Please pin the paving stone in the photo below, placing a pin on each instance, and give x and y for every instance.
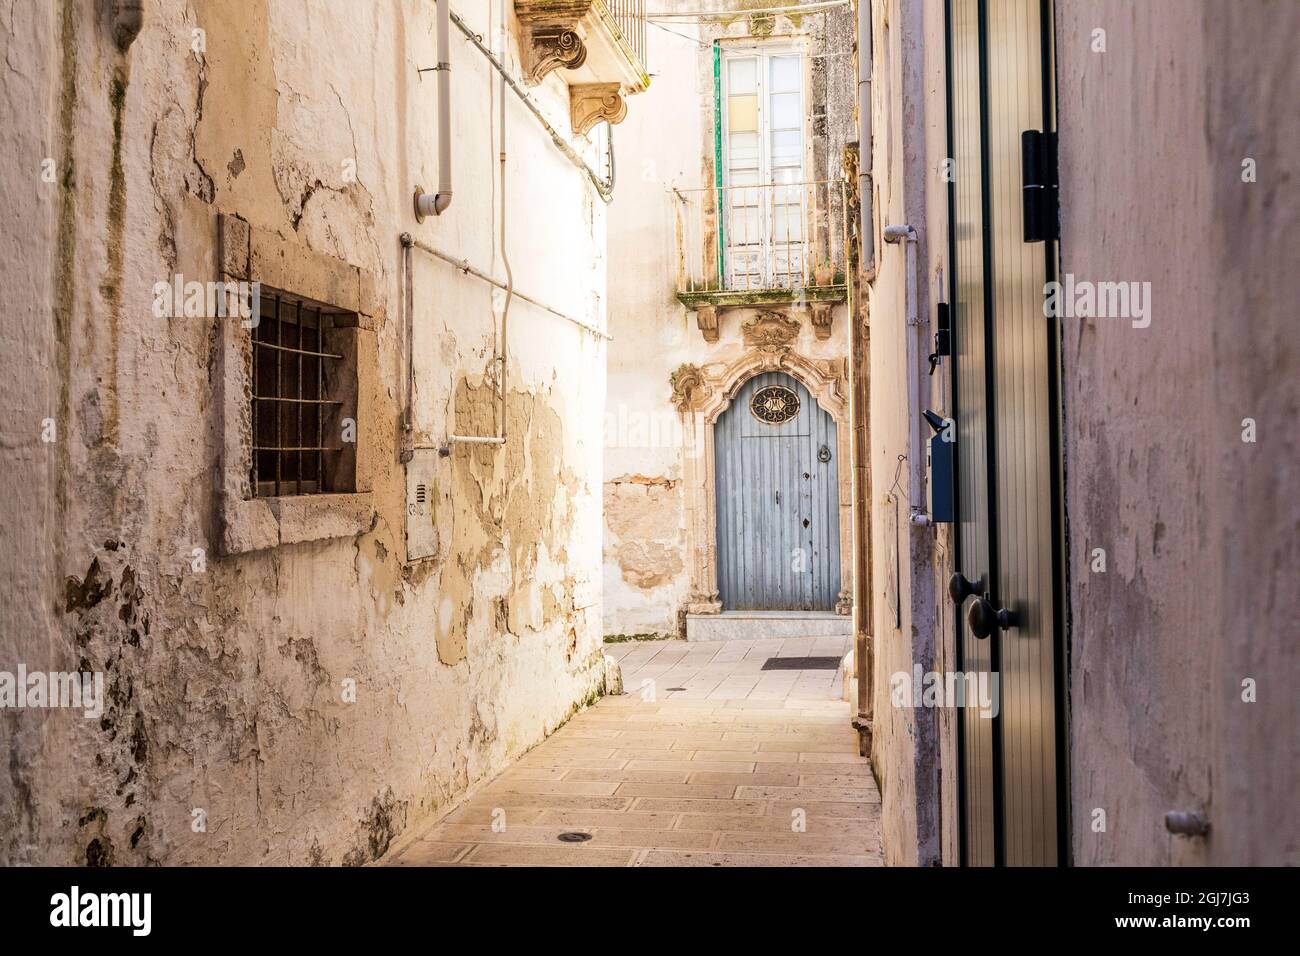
(715, 775)
(693, 766)
(751, 823)
(567, 854)
(747, 779)
(689, 790)
(812, 794)
(859, 811)
(516, 798)
(510, 782)
(706, 858)
(679, 805)
(463, 835)
(627, 819)
(789, 841)
(481, 814)
(820, 745)
(424, 853)
(630, 776)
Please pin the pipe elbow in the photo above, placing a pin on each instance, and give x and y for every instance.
(430, 204)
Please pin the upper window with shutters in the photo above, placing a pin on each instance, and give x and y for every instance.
(768, 202)
(763, 99)
(762, 227)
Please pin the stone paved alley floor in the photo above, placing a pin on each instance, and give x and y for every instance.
(728, 765)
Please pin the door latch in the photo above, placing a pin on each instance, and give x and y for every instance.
(942, 335)
(1040, 186)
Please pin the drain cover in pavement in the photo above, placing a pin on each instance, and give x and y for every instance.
(801, 664)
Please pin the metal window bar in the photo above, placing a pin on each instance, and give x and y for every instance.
(291, 399)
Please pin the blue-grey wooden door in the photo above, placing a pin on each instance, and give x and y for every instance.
(777, 490)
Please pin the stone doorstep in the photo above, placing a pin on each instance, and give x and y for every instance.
(766, 625)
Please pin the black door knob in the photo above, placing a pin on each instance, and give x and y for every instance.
(983, 618)
(980, 618)
(959, 588)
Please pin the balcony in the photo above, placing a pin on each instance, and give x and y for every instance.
(597, 45)
(774, 243)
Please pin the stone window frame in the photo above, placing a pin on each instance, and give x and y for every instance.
(246, 253)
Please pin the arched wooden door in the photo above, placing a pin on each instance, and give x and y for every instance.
(777, 495)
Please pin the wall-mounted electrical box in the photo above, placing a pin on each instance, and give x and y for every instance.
(421, 531)
(941, 467)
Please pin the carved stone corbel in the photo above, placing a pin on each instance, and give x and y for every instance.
(821, 319)
(548, 49)
(592, 103)
(706, 317)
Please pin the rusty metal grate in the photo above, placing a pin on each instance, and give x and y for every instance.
(801, 664)
(290, 398)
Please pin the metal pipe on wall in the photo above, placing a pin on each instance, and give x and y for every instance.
(864, 600)
(503, 350)
(435, 205)
(907, 236)
(604, 187)
(867, 232)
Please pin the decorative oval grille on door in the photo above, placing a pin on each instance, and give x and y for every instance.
(774, 405)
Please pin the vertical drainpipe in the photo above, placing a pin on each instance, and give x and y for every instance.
(435, 205)
(717, 161)
(864, 650)
(867, 231)
(503, 350)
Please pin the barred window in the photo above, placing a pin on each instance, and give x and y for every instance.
(304, 398)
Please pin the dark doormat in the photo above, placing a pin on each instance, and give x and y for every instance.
(801, 663)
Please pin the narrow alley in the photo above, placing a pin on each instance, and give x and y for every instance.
(736, 435)
(716, 756)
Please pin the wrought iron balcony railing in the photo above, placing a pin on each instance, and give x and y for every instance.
(629, 21)
(761, 242)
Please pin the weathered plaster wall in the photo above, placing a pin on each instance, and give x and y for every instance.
(647, 567)
(644, 534)
(224, 680)
(911, 616)
(1199, 528)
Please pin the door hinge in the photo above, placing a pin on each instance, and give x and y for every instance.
(1040, 186)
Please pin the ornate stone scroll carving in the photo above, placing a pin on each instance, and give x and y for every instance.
(548, 49)
(770, 332)
(592, 103)
(689, 387)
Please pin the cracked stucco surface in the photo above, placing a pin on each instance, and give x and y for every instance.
(224, 683)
